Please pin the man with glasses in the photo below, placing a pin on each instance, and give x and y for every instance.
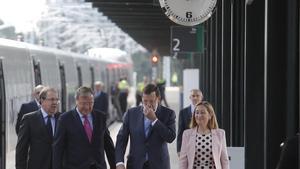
(34, 146)
(82, 136)
(30, 106)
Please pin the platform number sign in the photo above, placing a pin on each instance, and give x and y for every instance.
(186, 39)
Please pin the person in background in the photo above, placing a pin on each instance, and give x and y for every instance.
(30, 106)
(204, 145)
(150, 127)
(101, 98)
(123, 87)
(161, 84)
(114, 92)
(139, 91)
(185, 115)
(34, 146)
(82, 136)
(289, 158)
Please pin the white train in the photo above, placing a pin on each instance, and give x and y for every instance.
(23, 66)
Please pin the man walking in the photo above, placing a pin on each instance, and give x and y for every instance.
(34, 146)
(150, 127)
(82, 136)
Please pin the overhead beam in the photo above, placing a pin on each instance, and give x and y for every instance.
(127, 9)
(136, 3)
(140, 18)
(145, 14)
(121, 1)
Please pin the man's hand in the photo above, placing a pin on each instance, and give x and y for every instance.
(149, 112)
(121, 166)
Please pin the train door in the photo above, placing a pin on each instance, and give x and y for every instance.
(37, 72)
(92, 77)
(63, 87)
(79, 74)
(103, 79)
(2, 117)
(106, 74)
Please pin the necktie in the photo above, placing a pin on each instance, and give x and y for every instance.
(87, 128)
(49, 126)
(147, 126)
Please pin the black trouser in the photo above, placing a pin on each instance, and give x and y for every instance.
(146, 165)
(123, 101)
(138, 98)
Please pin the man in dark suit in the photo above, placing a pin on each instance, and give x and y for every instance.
(150, 127)
(30, 106)
(289, 158)
(34, 146)
(185, 115)
(101, 98)
(82, 136)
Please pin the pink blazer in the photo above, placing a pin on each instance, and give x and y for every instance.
(219, 150)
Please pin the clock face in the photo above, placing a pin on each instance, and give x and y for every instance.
(188, 12)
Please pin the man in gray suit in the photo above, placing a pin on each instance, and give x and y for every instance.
(150, 127)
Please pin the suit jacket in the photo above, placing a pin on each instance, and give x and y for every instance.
(25, 108)
(155, 144)
(101, 102)
(72, 149)
(34, 148)
(289, 158)
(219, 150)
(185, 116)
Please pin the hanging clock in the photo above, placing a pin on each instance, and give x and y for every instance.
(188, 12)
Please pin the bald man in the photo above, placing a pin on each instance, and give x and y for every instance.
(29, 106)
(185, 115)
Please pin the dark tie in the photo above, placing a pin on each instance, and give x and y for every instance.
(87, 127)
(49, 126)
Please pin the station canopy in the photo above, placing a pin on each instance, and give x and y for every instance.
(143, 20)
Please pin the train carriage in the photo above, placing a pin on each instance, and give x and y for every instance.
(23, 66)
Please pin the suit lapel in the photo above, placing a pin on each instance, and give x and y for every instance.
(215, 143)
(192, 141)
(96, 126)
(41, 122)
(189, 114)
(56, 116)
(140, 118)
(78, 123)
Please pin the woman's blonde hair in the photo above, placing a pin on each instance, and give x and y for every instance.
(212, 123)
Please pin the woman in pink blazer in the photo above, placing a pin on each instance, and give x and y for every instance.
(204, 145)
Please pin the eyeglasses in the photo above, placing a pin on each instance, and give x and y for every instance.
(53, 99)
(86, 103)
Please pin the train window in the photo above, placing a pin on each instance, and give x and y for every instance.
(37, 72)
(92, 77)
(63, 87)
(79, 74)
(2, 118)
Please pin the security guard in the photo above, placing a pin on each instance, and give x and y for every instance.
(123, 87)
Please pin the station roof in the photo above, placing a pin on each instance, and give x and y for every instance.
(143, 20)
